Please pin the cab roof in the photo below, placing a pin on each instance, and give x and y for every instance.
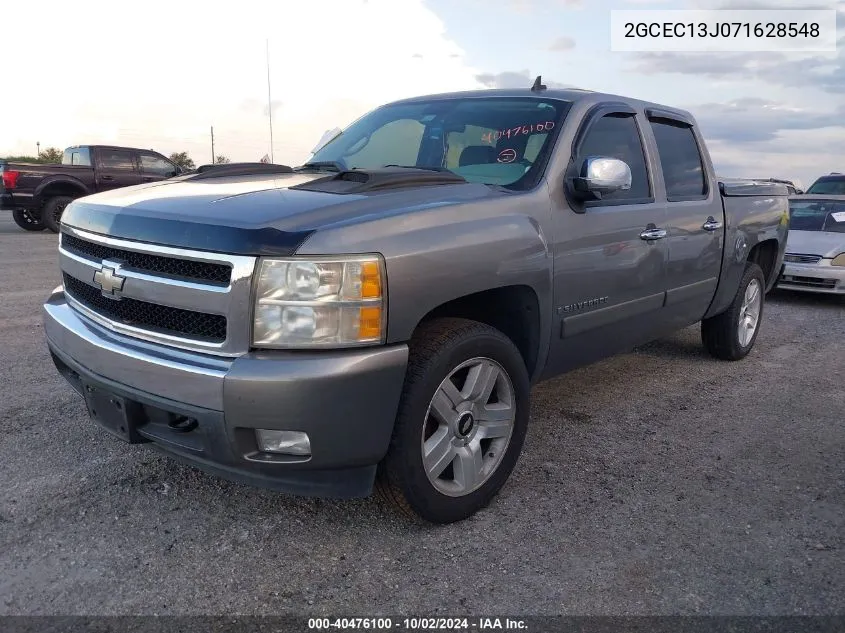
(571, 95)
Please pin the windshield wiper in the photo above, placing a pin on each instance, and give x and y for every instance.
(326, 165)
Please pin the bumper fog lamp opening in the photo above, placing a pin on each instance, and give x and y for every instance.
(283, 442)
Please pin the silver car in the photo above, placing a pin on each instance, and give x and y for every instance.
(815, 249)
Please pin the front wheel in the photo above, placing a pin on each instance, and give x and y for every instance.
(51, 213)
(731, 334)
(27, 220)
(461, 423)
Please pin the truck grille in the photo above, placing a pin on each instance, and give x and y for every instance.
(136, 313)
(184, 268)
(801, 259)
(178, 297)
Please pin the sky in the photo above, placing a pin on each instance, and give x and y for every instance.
(161, 74)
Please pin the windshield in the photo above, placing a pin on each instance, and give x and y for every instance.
(822, 215)
(492, 140)
(828, 185)
(77, 156)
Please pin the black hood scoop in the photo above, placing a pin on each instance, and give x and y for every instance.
(358, 181)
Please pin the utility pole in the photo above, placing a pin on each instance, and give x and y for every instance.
(38, 145)
(269, 101)
(212, 145)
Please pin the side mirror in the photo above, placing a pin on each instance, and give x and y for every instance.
(601, 176)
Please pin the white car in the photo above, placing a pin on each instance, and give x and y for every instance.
(815, 249)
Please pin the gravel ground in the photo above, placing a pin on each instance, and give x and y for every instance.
(658, 482)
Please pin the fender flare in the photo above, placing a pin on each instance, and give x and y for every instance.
(38, 194)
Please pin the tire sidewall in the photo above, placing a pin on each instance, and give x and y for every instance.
(409, 460)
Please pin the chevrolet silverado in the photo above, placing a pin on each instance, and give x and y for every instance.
(374, 319)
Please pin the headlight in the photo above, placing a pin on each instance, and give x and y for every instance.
(839, 260)
(319, 302)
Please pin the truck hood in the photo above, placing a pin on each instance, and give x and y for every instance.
(248, 215)
(824, 243)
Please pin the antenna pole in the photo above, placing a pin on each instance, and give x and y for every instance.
(212, 145)
(269, 102)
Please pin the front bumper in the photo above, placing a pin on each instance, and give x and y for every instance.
(821, 277)
(346, 401)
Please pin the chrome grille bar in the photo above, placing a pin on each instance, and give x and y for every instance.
(203, 297)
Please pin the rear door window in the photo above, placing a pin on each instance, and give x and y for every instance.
(680, 160)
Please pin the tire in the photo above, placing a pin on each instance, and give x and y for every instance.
(28, 220)
(721, 334)
(51, 213)
(445, 354)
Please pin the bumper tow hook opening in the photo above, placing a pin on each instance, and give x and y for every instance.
(183, 424)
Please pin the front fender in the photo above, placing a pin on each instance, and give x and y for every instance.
(462, 259)
(436, 257)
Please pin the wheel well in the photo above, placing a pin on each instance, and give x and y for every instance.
(764, 255)
(513, 310)
(61, 189)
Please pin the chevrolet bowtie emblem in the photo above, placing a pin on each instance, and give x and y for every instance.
(109, 281)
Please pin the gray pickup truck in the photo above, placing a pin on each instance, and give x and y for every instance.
(376, 317)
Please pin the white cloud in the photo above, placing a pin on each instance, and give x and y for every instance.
(160, 75)
(798, 155)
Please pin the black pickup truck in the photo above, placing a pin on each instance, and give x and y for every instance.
(37, 194)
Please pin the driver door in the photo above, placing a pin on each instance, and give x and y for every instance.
(610, 255)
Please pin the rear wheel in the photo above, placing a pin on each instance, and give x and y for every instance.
(28, 220)
(461, 424)
(51, 213)
(731, 334)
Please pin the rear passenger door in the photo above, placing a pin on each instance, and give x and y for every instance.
(610, 258)
(155, 167)
(115, 168)
(695, 218)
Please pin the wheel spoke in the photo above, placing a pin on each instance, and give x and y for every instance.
(747, 327)
(491, 429)
(444, 402)
(755, 290)
(438, 451)
(497, 412)
(481, 379)
(467, 466)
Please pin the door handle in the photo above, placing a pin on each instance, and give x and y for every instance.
(107, 177)
(653, 234)
(711, 224)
